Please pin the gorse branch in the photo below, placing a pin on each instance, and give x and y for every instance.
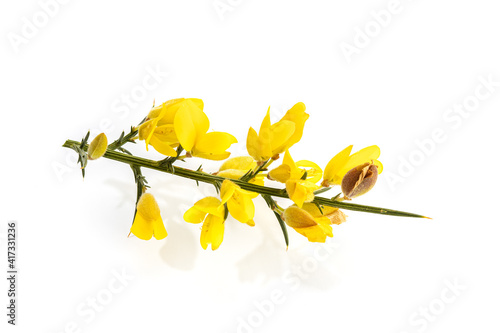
(213, 179)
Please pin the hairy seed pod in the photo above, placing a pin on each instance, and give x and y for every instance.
(359, 180)
(98, 147)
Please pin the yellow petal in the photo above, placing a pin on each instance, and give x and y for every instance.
(287, 160)
(212, 232)
(162, 147)
(227, 190)
(296, 217)
(296, 193)
(194, 215)
(280, 133)
(281, 173)
(365, 155)
(213, 144)
(314, 172)
(298, 116)
(262, 144)
(159, 230)
(173, 107)
(237, 174)
(166, 133)
(210, 205)
(287, 170)
(150, 133)
(379, 166)
(190, 123)
(199, 118)
(145, 129)
(315, 229)
(212, 156)
(148, 207)
(231, 173)
(142, 228)
(295, 172)
(185, 129)
(332, 214)
(300, 191)
(241, 207)
(317, 233)
(258, 180)
(333, 167)
(266, 122)
(313, 209)
(243, 163)
(160, 110)
(255, 147)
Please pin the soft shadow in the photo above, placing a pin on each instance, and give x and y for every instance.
(318, 266)
(180, 251)
(175, 197)
(126, 192)
(264, 264)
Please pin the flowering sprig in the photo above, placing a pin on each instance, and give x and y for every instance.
(181, 127)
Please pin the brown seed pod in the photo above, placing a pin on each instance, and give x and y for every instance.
(359, 180)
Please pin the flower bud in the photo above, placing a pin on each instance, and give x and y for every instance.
(296, 217)
(359, 180)
(98, 147)
(239, 163)
(334, 215)
(308, 222)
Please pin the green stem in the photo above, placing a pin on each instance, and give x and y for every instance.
(277, 213)
(123, 139)
(212, 179)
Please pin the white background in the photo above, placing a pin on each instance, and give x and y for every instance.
(381, 274)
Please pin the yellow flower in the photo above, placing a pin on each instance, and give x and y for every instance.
(298, 116)
(310, 222)
(158, 130)
(275, 139)
(239, 202)
(98, 147)
(211, 212)
(237, 167)
(334, 215)
(170, 108)
(287, 170)
(182, 121)
(191, 125)
(295, 170)
(299, 190)
(341, 163)
(147, 221)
